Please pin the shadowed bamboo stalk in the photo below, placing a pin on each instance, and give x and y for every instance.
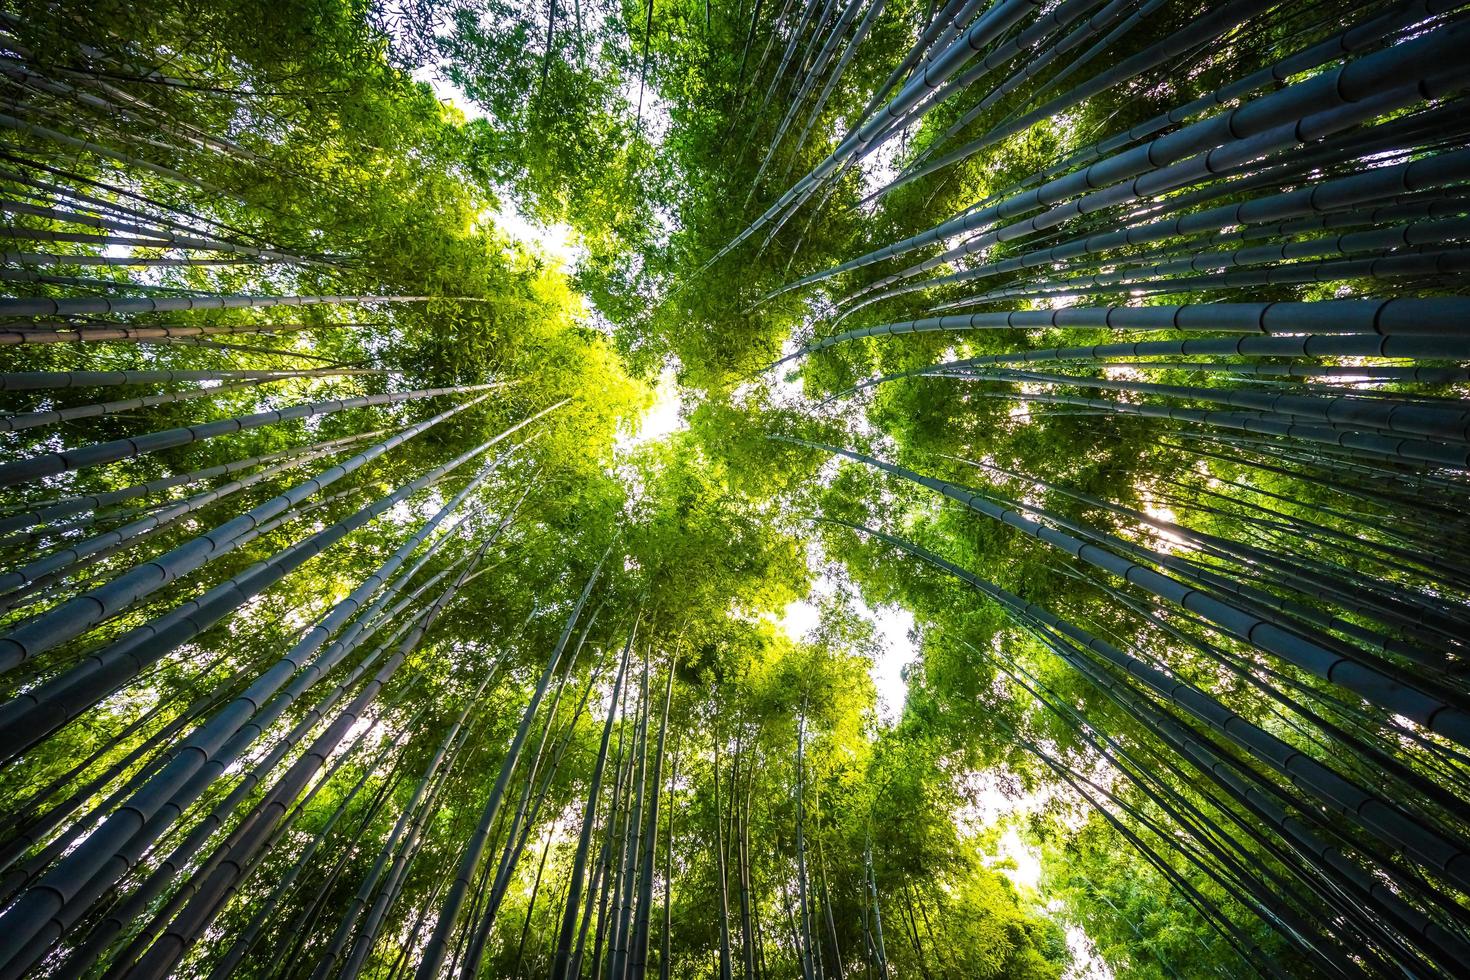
(50, 464)
(638, 960)
(1100, 21)
(1385, 414)
(46, 511)
(1322, 198)
(76, 616)
(1292, 646)
(1414, 235)
(58, 416)
(62, 560)
(47, 380)
(150, 229)
(39, 711)
(437, 948)
(1366, 444)
(368, 934)
(16, 307)
(214, 891)
(1047, 24)
(400, 829)
(1380, 816)
(864, 28)
(341, 648)
(996, 20)
(1368, 86)
(91, 332)
(1351, 41)
(1302, 345)
(136, 905)
(88, 871)
(1391, 318)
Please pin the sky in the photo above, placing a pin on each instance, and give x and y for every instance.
(661, 419)
(447, 92)
(891, 624)
(557, 242)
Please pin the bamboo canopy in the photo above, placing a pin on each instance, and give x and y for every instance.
(967, 489)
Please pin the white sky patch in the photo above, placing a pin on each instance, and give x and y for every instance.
(1117, 372)
(997, 800)
(1027, 860)
(654, 121)
(447, 92)
(991, 803)
(784, 387)
(661, 419)
(880, 168)
(556, 242)
(799, 618)
(891, 624)
(992, 797)
(1168, 541)
(1086, 963)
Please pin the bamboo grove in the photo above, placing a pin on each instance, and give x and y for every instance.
(350, 626)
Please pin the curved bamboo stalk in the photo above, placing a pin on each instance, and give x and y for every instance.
(79, 306)
(126, 912)
(1380, 319)
(1412, 235)
(56, 416)
(1293, 646)
(1369, 86)
(90, 869)
(34, 714)
(50, 464)
(437, 948)
(45, 512)
(69, 333)
(1350, 41)
(49, 380)
(76, 616)
(246, 840)
(1000, 17)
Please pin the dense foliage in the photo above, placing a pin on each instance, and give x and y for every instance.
(349, 624)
